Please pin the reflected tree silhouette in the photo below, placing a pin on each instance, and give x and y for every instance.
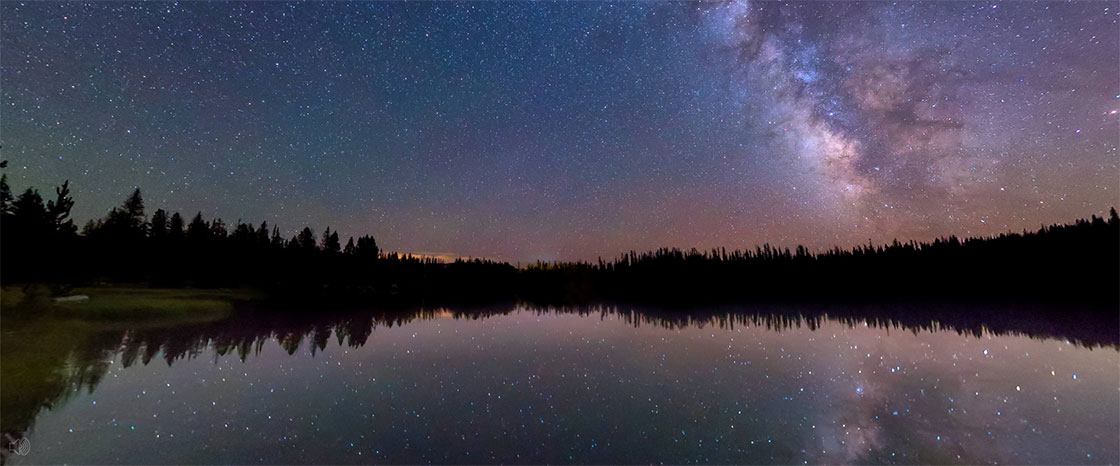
(76, 357)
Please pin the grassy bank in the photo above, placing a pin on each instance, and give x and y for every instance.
(118, 303)
(50, 348)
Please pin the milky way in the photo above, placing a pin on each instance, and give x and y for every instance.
(562, 130)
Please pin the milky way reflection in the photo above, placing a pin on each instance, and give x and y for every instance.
(534, 387)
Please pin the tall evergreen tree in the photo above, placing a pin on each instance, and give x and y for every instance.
(218, 229)
(243, 233)
(330, 241)
(367, 247)
(198, 230)
(159, 224)
(276, 241)
(29, 213)
(126, 223)
(175, 227)
(6, 198)
(134, 206)
(58, 210)
(306, 239)
(262, 235)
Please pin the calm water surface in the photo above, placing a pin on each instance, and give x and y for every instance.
(544, 387)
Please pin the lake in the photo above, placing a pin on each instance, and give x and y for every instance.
(512, 384)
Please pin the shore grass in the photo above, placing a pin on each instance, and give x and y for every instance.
(11, 297)
(45, 345)
(128, 303)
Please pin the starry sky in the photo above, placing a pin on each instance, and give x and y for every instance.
(569, 130)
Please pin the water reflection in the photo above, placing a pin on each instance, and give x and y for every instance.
(612, 384)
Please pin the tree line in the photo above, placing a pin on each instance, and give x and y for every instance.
(40, 244)
(1076, 263)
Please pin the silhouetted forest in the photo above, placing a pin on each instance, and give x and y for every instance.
(1079, 262)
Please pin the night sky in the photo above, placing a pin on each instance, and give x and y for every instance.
(569, 130)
